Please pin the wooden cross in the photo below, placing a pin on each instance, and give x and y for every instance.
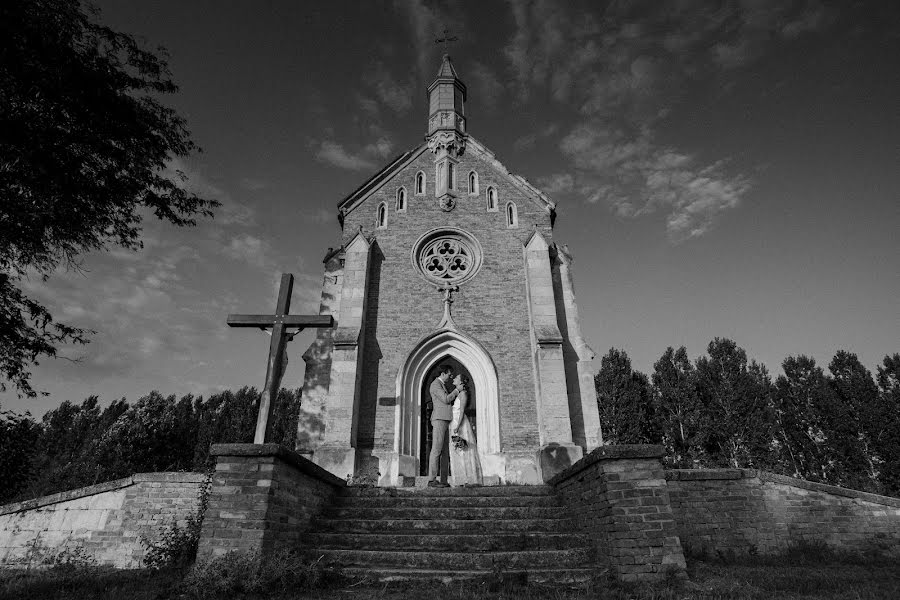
(446, 40)
(280, 323)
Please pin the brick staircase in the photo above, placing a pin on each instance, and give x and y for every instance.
(450, 534)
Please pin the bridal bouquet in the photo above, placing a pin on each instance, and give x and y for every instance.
(458, 442)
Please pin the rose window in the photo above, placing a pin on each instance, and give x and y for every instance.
(447, 257)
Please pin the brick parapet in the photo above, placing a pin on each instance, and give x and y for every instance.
(263, 497)
(741, 511)
(617, 496)
(104, 523)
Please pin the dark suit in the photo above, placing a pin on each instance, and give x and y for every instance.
(441, 415)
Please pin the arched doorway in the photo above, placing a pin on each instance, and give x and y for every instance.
(451, 346)
(425, 413)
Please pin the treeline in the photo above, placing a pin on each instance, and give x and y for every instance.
(76, 445)
(840, 427)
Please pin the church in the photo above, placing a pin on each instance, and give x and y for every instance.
(446, 257)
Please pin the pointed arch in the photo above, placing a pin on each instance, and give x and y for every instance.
(411, 377)
(512, 215)
(420, 184)
(401, 199)
(473, 183)
(491, 197)
(381, 216)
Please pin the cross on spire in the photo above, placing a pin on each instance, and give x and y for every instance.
(279, 323)
(446, 40)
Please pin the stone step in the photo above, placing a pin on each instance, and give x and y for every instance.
(446, 542)
(523, 559)
(418, 501)
(553, 575)
(456, 513)
(485, 526)
(501, 490)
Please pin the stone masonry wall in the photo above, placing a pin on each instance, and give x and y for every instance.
(739, 511)
(262, 498)
(617, 496)
(103, 523)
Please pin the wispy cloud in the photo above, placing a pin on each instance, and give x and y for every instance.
(623, 69)
(250, 249)
(365, 158)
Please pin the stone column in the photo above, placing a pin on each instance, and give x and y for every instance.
(337, 453)
(557, 450)
(311, 420)
(577, 355)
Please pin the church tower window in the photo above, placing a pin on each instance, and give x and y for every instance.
(381, 216)
(401, 200)
(512, 215)
(491, 199)
(420, 183)
(473, 183)
(445, 174)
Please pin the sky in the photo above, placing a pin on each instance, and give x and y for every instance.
(725, 169)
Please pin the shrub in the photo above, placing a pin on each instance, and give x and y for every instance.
(236, 574)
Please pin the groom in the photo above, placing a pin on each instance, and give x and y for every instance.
(441, 416)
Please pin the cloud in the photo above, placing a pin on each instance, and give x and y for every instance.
(249, 249)
(253, 185)
(365, 158)
(391, 93)
(335, 155)
(487, 84)
(635, 177)
(320, 216)
(624, 68)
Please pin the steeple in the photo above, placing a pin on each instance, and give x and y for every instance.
(446, 111)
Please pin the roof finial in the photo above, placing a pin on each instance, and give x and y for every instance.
(446, 41)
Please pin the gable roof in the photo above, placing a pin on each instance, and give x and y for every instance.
(374, 183)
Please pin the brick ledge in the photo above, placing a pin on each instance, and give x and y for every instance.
(618, 452)
(99, 488)
(299, 462)
(710, 474)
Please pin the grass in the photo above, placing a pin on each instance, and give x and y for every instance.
(802, 573)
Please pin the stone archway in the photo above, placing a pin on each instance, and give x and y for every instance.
(411, 378)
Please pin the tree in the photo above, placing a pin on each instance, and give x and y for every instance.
(18, 434)
(83, 156)
(804, 405)
(624, 401)
(887, 438)
(735, 397)
(853, 419)
(678, 409)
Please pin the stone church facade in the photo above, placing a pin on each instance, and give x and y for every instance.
(447, 257)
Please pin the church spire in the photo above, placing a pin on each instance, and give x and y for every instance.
(446, 110)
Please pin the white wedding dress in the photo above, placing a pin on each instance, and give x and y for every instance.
(465, 467)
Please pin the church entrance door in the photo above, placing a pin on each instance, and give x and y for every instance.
(412, 427)
(425, 403)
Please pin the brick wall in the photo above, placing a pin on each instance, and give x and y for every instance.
(262, 497)
(617, 496)
(738, 511)
(103, 523)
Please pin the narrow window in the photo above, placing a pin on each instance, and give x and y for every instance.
(451, 177)
(420, 183)
(473, 183)
(491, 199)
(512, 215)
(382, 216)
(401, 200)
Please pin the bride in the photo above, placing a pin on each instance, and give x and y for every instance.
(465, 467)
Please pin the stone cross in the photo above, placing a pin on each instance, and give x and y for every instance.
(446, 40)
(284, 327)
